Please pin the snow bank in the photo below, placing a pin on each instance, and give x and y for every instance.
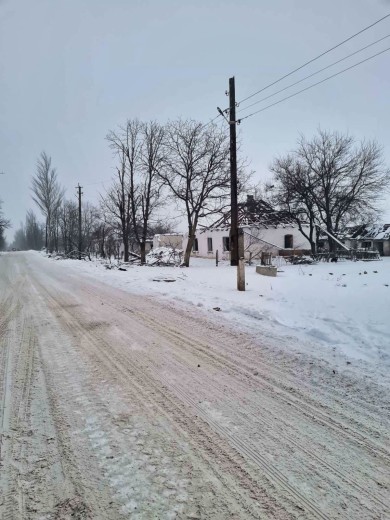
(331, 308)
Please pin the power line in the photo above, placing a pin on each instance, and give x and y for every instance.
(95, 183)
(315, 84)
(209, 122)
(316, 58)
(314, 73)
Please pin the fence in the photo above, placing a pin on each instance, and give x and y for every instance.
(343, 254)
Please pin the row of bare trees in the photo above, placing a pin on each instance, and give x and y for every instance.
(329, 181)
(62, 234)
(60, 230)
(183, 162)
(30, 235)
(183, 165)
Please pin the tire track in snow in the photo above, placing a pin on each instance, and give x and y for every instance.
(192, 346)
(246, 449)
(153, 393)
(185, 341)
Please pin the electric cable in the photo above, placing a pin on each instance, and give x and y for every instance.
(314, 84)
(314, 73)
(316, 58)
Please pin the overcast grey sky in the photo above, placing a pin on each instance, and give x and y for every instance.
(71, 70)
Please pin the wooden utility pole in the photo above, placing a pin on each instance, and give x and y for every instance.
(233, 175)
(78, 187)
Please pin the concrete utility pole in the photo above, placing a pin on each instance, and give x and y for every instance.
(234, 257)
(78, 187)
(241, 262)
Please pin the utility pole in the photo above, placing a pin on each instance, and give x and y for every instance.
(78, 187)
(233, 175)
(236, 240)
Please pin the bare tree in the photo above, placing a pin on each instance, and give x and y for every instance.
(117, 201)
(68, 225)
(331, 180)
(140, 145)
(34, 232)
(90, 222)
(4, 224)
(291, 191)
(48, 195)
(19, 241)
(196, 170)
(149, 183)
(103, 230)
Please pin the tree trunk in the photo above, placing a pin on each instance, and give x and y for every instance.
(332, 243)
(126, 250)
(102, 245)
(49, 235)
(143, 253)
(309, 236)
(125, 240)
(187, 253)
(312, 242)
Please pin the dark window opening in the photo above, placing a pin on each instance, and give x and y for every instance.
(288, 241)
(195, 247)
(226, 243)
(210, 245)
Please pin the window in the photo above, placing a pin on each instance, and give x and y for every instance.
(288, 241)
(210, 245)
(195, 247)
(366, 245)
(226, 243)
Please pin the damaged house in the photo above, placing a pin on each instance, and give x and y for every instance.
(265, 231)
(368, 237)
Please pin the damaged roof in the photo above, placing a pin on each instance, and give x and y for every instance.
(255, 213)
(368, 232)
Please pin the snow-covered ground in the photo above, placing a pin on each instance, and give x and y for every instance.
(332, 309)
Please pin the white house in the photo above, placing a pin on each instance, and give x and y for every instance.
(264, 230)
(173, 240)
(275, 239)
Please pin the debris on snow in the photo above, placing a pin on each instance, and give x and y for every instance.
(164, 256)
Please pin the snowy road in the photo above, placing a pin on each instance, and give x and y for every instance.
(119, 406)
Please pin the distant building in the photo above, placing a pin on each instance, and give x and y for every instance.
(173, 240)
(135, 247)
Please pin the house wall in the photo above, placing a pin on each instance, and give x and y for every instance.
(386, 247)
(269, 240)
(217, 236)
(273, 239)
(174, 240)
(375, 245)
